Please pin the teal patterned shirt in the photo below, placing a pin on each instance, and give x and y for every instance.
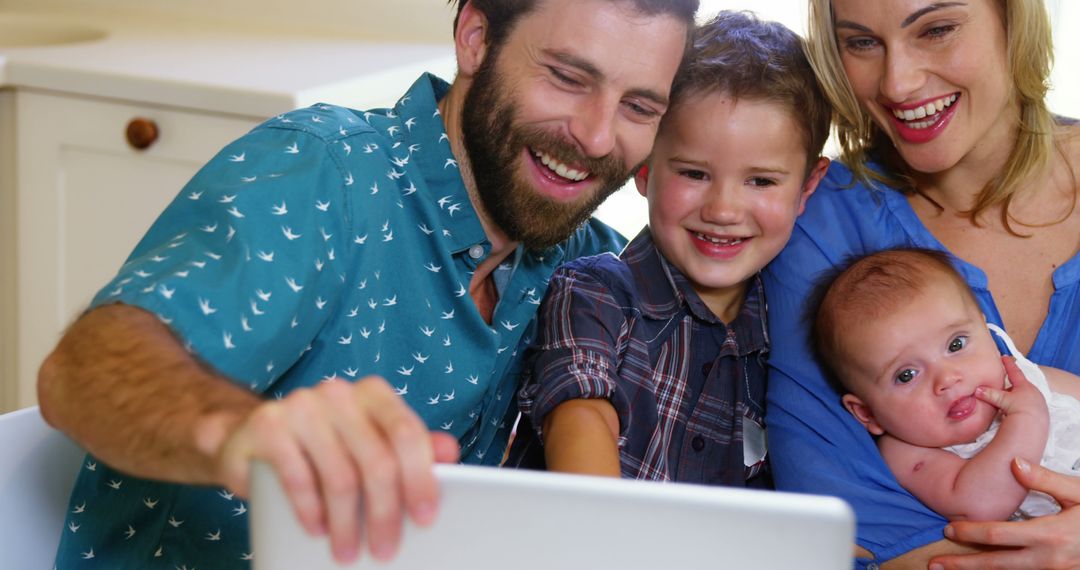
(325, 243)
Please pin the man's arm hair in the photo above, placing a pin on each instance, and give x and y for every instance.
(122, 385)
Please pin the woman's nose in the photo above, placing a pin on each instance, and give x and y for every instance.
(903, 74)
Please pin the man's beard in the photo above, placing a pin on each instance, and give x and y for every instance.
(495, 144)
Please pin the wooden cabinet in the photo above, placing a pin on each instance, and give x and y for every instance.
(83, 196)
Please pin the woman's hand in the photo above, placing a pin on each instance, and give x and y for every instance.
(1047, 542)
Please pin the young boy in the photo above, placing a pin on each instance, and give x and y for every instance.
(905, 337)
(651, 365)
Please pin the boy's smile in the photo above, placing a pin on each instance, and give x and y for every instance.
(725, 184)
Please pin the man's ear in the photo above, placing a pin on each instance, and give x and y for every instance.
(641, 180)
(470, 39)
(862, 413)
(812, 181)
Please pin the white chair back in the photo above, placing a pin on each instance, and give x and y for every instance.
(38, 466)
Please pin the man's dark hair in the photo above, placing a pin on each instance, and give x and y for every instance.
(747, 58)
(502, 15)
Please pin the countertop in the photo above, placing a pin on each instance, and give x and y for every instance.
(214, 67)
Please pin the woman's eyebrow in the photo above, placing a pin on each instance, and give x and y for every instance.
(911, 19)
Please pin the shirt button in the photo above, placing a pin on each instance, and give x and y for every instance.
(476, 251)
(871, 566)
(698, 443)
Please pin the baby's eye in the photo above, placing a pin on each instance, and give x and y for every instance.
(905, 376)
(958, 343)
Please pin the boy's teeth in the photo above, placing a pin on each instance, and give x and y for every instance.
(560, 168)
(928, 110)
(720, 241)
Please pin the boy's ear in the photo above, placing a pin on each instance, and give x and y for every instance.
(811, 182)
(862, 413)
(641, 180)
(470, 39)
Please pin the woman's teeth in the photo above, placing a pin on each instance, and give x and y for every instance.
(560, 168)
(928, 111)
(719, 241)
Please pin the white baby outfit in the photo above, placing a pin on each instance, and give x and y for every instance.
(1062, 452)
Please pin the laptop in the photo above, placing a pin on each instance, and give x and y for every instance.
(506, 519)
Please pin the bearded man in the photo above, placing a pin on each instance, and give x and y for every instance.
(346, 295)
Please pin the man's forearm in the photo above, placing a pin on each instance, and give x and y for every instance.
(121, 385)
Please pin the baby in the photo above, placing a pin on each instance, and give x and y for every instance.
(905, 337)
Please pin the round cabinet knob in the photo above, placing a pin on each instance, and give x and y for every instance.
(141, 133)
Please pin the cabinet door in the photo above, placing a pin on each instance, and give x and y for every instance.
(84, 198)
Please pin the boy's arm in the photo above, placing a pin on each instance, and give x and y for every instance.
(580, 436)
(983, 487)
(1062, 382)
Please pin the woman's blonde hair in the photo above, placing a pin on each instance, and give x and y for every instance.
(1030, 58)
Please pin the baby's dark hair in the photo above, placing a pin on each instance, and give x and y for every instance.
(866, 288)
(747, 58)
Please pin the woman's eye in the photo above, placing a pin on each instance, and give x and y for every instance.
(860, 44)
(958, 343)
(938, 32)
(905, 376)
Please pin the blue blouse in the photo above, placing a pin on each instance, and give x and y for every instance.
(816, 446)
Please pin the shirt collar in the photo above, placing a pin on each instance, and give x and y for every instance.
(664, 290)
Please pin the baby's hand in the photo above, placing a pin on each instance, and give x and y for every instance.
(1023, 397)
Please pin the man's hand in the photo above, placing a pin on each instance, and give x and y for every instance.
(339, 445)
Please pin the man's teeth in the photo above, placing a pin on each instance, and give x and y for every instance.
(560, 168)
(930, 110)
(719, 241)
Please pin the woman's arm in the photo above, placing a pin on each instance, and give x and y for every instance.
(1047, 542)
(581, 436)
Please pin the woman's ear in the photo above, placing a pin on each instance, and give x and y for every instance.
(470, 39)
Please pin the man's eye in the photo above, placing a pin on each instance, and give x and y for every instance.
(905, 376)
(563, 78)
(958, 343)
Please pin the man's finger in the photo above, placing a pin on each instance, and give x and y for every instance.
(1015, 559)
(996, 533)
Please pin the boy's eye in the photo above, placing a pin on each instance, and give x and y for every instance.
(958, 343)
(694, 174)
(905, 376)
(761, 182)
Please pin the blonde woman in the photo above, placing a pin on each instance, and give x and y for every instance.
(946, 144)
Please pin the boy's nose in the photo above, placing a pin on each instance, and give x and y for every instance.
(723, 207)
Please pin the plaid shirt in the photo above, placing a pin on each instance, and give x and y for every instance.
(685, 385)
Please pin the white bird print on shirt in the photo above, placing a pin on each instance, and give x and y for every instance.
(227, 337)
(382, 327)
(408, 191)
(448, 397)
(448, 315)
(226, 495)
(372, 303)
(289, 233)
(165, 291)
(292, 284)
(88, 555)
(150, 503)
(444, 201)
(360, 240)
(239, 510)
(263, 295)
(345, 339)
(248, 179)
(364, 332)
(354, 312)
(244, 324)
(115, 483)
(427, 331)
(316, 119)
(212, 255)
(394, 175)
(424, 228)
(195, 195)
(213, 536)
(450, 162)
(265, 256)
(247, 556)
(370, 148)
(280, 210)
(351, 372)
(449, 367)
(130, 532)
(74, 527)
(402, 390)
(79, 509)
(235, 212)
(447, 425)
(325, 236)
(204, 305)
(174, 523)
(405, 371)
(443, 137)
(143, 274)
(420, 357)
(390, 302)
(461, 291)
(473, 379)
(413, 148)
(432, 267)
(227, 199)
(446, 341)
(158, 258)
(348, 149)
(292, 149)
(255, 309)
(392, 129)
(454, 208)
(410, 122)
(320, 303)
(389, 236)
(510, 326)
(434, 400)
(349, 179)
(237, 157)
(209, 228)
(322, 206)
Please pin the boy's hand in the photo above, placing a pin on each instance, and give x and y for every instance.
(1023, 397)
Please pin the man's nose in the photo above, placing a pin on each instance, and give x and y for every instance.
(593, 127)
